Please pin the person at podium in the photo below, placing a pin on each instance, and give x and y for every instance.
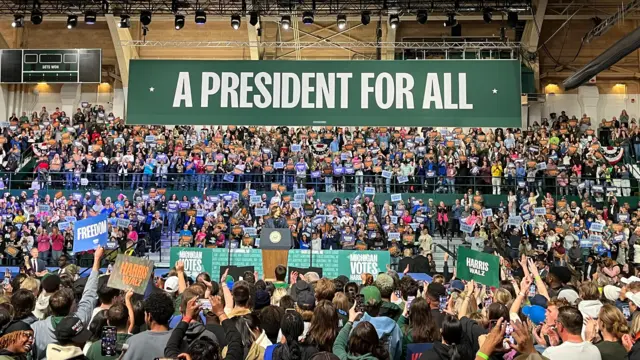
(277, 221)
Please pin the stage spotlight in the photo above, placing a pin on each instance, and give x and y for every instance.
(342, 22)
(365, 18)
(125, 22)
(72, 21)
(201, 17)
(285, 22)
(253, 18)
(486, 15)
(36, 17)
(18, 21)
(307, 17)
(451, 21)
(235, 22)
(394, 21)
(421, 16)
(90, 17)
(179, 21)
(145, 17)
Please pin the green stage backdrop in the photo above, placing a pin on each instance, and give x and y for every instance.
(210, 260)
(342, 262)
(355, 93)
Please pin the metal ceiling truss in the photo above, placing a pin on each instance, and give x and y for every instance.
(480, 45)
(264, 7)
(609, 22)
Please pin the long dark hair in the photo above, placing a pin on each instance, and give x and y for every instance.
(452, 335)
(421, 325)
(204, 349)
(324, 326)
(364, 340)
(292, 327)
(245, 325)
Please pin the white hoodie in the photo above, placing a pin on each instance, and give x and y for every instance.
(589, 309)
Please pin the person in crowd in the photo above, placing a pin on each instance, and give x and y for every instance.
(359, 342)
(569, 328)
(71, 335)
(158, 309)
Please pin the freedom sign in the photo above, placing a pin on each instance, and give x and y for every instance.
(89, 233)
(360, 93)
(481, 267)
(130, 272)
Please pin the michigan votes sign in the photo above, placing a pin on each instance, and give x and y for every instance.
(89, 233)
(355, 93)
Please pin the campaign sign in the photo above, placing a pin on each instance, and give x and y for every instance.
(130, 272)
(403, 179)
(62, 226)
(278, 165)
(396, 197)
(299, 197)
(487, 212)
(255, 200)
(466, 228)
(540, 211)
(386, 174)
(70, 219)
(394, 219)
(89, 233)
(296, 147)
(44, 208)
(262, 211)
(515, 221)
(595, 239)
(596, 227)
(394, 235)
(123, 223)
(479, 266)
(201, 213)
(369, 190)
(296, 204)
(251, 231)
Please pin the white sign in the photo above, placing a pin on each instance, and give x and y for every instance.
(396, 197)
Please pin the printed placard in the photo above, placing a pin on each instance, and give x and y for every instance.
(201, 213)
(315, 174)
(595, 239)
(394, 235)
(514, 221)
(251, 231)
(466, 228)
(44, 208)
(344, 156)
(403, 179)
(278, 165)
(253, 192)
(296, 204)
(228, 177)
(541, 166)
(64, 225)
(386, 174)
(255, 200)
(540, 211)
(596, 227)
(394, 219)
(262, 211)
(369, 190)
(481, 267)
(95, 192)
(123, 223)
(70, 219)
(130, 272)
(296, 148)
(487, 212)
(396, 197)
(414, 226)
(299, 197)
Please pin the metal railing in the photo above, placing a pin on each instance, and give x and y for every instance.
(325, 183)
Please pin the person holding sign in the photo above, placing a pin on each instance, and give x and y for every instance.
(44, 330)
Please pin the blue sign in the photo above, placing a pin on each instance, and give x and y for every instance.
(89, 233)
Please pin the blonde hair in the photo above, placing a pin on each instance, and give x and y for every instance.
(503, 296)
(613, 321)
(341, 302)
(635, 325)
(472, 306)
(278, 294)
(438, 279)
(31, 284)
(589, 291)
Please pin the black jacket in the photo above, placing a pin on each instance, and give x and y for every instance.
(234, 341)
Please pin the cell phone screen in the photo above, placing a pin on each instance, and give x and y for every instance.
(532, 290)
(409, 301)
(626, 312)
(443, 303)
(205, 304)
(508, 337)
(108, 341)
(487, 302)
(360, 303)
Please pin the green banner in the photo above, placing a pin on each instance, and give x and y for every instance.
(210, 260)
(342, 262)
(463, 93)
(479, 266)
(195, 260)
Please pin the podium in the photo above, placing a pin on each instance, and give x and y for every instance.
(275, 244)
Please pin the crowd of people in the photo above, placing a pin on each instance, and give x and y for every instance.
(538, 311)
(568, 267)
(92, 149)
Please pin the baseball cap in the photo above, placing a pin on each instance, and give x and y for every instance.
(436, 290)
(570, 295)
(539, 300)
(633, 297)
(629, 280)
(171, 285)
(562, 273)
(611, 293)
(371, 295)
(306, 300)
(262, 299)
(536, 313)
(71, 329)
(457, 285)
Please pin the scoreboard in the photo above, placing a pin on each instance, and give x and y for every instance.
(50, 66)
